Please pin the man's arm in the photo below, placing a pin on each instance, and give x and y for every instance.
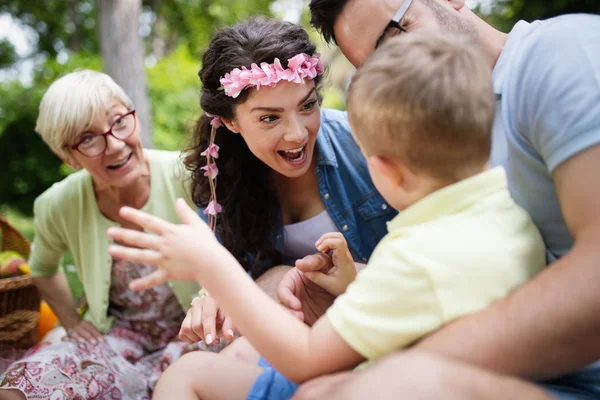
(550, 326)
(270, 280)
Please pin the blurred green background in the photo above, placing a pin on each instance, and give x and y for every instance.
(41, 40)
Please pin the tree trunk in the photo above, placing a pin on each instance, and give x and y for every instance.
(122, 52)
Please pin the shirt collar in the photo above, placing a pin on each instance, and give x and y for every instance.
(451, 199)
(515, 38)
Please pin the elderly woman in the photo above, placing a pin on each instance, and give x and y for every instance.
(125, 340)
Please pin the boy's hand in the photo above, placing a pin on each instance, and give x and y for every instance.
(178, 251)
(343, 272)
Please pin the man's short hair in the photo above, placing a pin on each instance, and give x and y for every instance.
(426, 99)
(323, 14)
(71, 103)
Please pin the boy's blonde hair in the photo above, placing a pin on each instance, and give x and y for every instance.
(71, 103)
(426, 99)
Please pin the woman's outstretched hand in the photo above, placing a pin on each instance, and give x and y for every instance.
(178, 251)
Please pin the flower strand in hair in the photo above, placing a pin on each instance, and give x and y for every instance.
(300, 67)
(212, 152)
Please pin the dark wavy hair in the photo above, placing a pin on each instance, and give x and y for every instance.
(244, 189)
(323, 14)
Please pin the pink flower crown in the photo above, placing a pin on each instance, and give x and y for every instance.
(300, 67)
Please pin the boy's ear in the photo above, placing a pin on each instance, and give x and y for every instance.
(231, 125)
(387, 169)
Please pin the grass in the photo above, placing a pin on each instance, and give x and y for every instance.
(24, 224)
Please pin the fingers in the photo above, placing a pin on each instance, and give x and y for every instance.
(187, 215)
(209, 320)
(84, 332)
(94, 332)
(285, 295)
(315, 262)
(228, 329)
(155, 278)
(331, 241)
(133, 238)
(135, 255)
(185, 333)
(328, 282)
(145, 220)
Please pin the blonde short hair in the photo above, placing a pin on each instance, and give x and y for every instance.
(426, 99)
(71, 103)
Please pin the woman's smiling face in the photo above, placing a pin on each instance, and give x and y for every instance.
(280, 125)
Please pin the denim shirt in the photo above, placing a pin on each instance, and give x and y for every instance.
(358, 210)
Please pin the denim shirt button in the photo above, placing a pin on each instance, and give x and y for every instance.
(384, 206)
(326, 196)
(364, 259)
(279, 236)
(345, 228)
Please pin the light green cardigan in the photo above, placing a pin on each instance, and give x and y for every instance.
(67, 217)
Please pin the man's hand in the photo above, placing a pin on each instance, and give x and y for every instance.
(307, 300)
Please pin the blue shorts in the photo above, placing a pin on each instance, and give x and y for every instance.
(271, 385)
(581, 385)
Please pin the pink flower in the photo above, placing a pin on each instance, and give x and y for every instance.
(215, 121)
(300, 67)
(213, 208)
(212, 150)
(211, 170)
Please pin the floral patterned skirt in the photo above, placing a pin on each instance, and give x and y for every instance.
(127, 365)
(119, 368)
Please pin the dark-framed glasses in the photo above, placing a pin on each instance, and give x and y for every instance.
(92, 145)
(393, 27)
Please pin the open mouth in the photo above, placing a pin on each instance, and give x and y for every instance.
(295, 156)
(121, 163)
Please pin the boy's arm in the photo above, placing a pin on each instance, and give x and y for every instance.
(297, 351)
(374, 317)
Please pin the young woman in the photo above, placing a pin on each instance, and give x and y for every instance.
(285, 171)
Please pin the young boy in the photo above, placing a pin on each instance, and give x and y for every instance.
(422, 112)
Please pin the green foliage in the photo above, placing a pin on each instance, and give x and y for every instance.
(8, 55)
(505, 13)
(174, 93)
(60, 24)
(197, 20)
(30, 166)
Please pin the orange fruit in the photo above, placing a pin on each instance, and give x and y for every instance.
(48, 320)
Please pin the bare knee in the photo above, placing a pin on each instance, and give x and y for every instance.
(184, 375)
(242, 350)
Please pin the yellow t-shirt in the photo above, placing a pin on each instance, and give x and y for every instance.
(67, 217)
(450, 254)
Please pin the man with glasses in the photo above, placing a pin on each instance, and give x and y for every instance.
(547, 135)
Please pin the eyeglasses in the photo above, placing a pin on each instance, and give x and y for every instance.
(92, 145)
(393, 27)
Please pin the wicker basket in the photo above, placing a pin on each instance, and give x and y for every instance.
(19, 298)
